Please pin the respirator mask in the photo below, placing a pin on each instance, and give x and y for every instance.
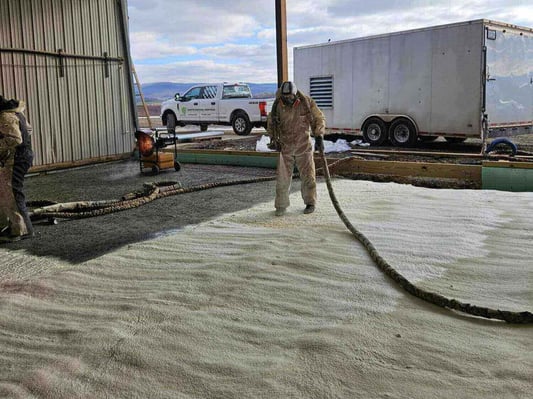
(288, 93)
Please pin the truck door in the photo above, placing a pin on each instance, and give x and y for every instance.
(189, 105)
(207, 104)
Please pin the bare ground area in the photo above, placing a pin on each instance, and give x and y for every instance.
(79, 240)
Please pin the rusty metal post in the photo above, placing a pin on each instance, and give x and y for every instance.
(281, 41)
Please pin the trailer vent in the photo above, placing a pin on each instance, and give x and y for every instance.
(321, 90)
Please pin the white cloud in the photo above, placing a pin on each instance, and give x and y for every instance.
(206, 71)
(258, 52)
(236, 39)
(151, 45)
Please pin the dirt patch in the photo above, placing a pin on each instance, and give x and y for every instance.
(83, 239)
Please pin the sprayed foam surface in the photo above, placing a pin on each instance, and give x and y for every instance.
(251, 305)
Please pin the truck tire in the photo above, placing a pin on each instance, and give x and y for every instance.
(241, 124)
(171, 122)
(203, 127)
(402, 133)
(374, 131)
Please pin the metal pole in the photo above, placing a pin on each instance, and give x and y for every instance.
(123, 15)
(281, 41)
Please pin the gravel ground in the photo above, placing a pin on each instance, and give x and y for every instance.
(83, 239)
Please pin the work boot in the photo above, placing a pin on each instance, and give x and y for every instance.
(280, 211)
(309, 209)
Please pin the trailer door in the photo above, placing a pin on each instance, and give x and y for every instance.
(509, 83)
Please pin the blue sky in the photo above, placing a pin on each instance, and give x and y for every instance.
(225, 40)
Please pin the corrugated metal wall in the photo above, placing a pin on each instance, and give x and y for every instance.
(80, 106)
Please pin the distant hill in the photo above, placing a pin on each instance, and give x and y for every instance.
(160, 91)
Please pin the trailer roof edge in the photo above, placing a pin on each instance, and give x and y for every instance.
(427, 28)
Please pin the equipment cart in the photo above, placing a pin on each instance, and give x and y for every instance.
(149, 143)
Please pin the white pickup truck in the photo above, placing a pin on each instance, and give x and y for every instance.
(221, 104)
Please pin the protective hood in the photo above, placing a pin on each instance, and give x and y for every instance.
(288, 88)
(11, 105)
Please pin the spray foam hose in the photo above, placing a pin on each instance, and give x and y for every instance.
(431, 297)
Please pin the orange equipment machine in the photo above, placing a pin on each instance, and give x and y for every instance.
(149, 143)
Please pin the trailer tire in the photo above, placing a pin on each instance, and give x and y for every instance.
(203, 127)
(177, 166)
(172, 122)
(402, 133)
(375, 131)
(241, 124)
(502, 143)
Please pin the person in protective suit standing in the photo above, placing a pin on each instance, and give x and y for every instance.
(293, 118)
(16, 157)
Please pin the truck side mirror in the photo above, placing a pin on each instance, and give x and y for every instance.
(177, 96)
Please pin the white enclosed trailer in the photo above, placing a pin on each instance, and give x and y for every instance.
(449, 80)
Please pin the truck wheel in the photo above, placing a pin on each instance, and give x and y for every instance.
(203, 127)
(171, 122)
(402, 133)
(375, 131)
(241, 124)
(455, 140)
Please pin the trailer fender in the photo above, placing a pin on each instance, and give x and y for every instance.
(388, 118)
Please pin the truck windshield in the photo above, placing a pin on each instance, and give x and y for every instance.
(236, 91)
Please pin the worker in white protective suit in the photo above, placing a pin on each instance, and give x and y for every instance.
(15, 159)
(294, 117)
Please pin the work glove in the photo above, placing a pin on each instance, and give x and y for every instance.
(319, 143)
(274, 145)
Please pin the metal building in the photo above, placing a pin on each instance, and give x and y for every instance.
(69, 60)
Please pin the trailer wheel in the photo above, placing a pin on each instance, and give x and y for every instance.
(402, 133)
(203, 127)
(177, 166)
(375, 131)
(171, 122)
(155, 170)
(241, 124)
(455, 140)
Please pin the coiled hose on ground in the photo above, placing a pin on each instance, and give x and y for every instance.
(77, 210)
